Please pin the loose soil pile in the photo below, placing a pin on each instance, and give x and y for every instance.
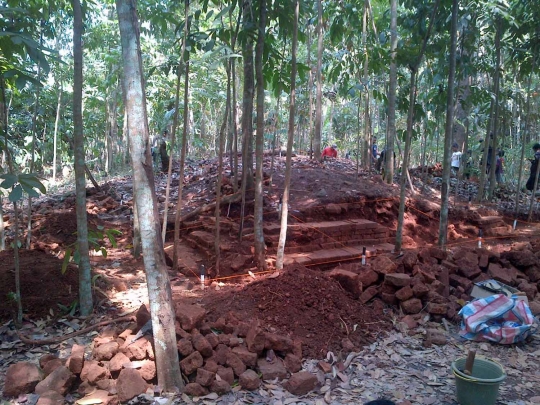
(308, 305)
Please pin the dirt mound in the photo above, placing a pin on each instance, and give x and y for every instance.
(43, 286)
(307, 305)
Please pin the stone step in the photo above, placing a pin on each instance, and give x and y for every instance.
(297, 248)
(326, 227)
(327, 256)
(202, 238)
(490, 222)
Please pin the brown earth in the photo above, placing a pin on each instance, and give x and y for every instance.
(304, 303)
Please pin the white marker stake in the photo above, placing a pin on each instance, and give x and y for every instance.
(364, 256)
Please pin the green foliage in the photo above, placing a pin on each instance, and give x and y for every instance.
(17, 184)
(96, 240)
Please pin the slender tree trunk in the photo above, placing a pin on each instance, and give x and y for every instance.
(366, 150)
(159, 288)
(276, 126)
(318, 109)
(391, 127)
(259, 142)
(496, 91)
(9, 159)
(410, 122)
(55, 136)
(443, 223)
(234, 125)
(310, 92)
(85, 271)
(217, 241)
(523, 143)
(182, 166)
(292, 103)
(247, 112)
(173, 132)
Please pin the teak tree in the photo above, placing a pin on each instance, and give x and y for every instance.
(159, 287)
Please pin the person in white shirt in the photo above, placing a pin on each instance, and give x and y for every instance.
(456, 159)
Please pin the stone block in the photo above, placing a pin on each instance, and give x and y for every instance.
(383, 265)
(279, 343)
(368, 294)
(21, 378)
(272, 370)
(234, 362)
(51, 398)
(506, 276)
(293, 363)
(420, 290)
(247, 357)
(437, 309)
(220, 387)
(60, 380)
(249, 380)
(189, 316)
(255, 338)
(404, 293)
(105, 351)
(185, 347)
(348, 280)
(202, 345)
(195, 390)
(130, 384)
(205, 377)
(148, 370)
(226, 374)
(458, 281)
(117, 362)
(397, 280)
(301, 383)
(75, 361)
(93, 372)
(411, 306)
(191, 363)
(367, 277)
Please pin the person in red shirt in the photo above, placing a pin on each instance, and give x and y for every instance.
(330, 151)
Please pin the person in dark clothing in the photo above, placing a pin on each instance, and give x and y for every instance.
(163, 152)
(534, 166)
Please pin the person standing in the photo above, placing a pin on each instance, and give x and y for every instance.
(456, 159)
(534, 166)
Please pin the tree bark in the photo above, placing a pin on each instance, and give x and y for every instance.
(159, 288)
(496, 92)
(85, 272)
(221, 140)
(292, 103)
(259, 142)
(445, 189)
(247, 111)
(410, 122)
(182, 166)
(173, 133)
(55, 136)
(391, 127)
(318, 99)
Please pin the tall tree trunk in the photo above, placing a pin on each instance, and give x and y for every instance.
(408, 139)
(285, 199)
(310, 92)
(55, 136)
(16, 264)
(496, 92)
(182, 165)
(391, 127)
(217, 240)
(259, 142)
(448, 129)
(159, 287)
(318, 109)
(247, 111)
(367, 139)
(523, 143)
(85, 272)
(33, 152)
(173, 135)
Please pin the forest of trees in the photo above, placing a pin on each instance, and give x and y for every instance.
(228, 77)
